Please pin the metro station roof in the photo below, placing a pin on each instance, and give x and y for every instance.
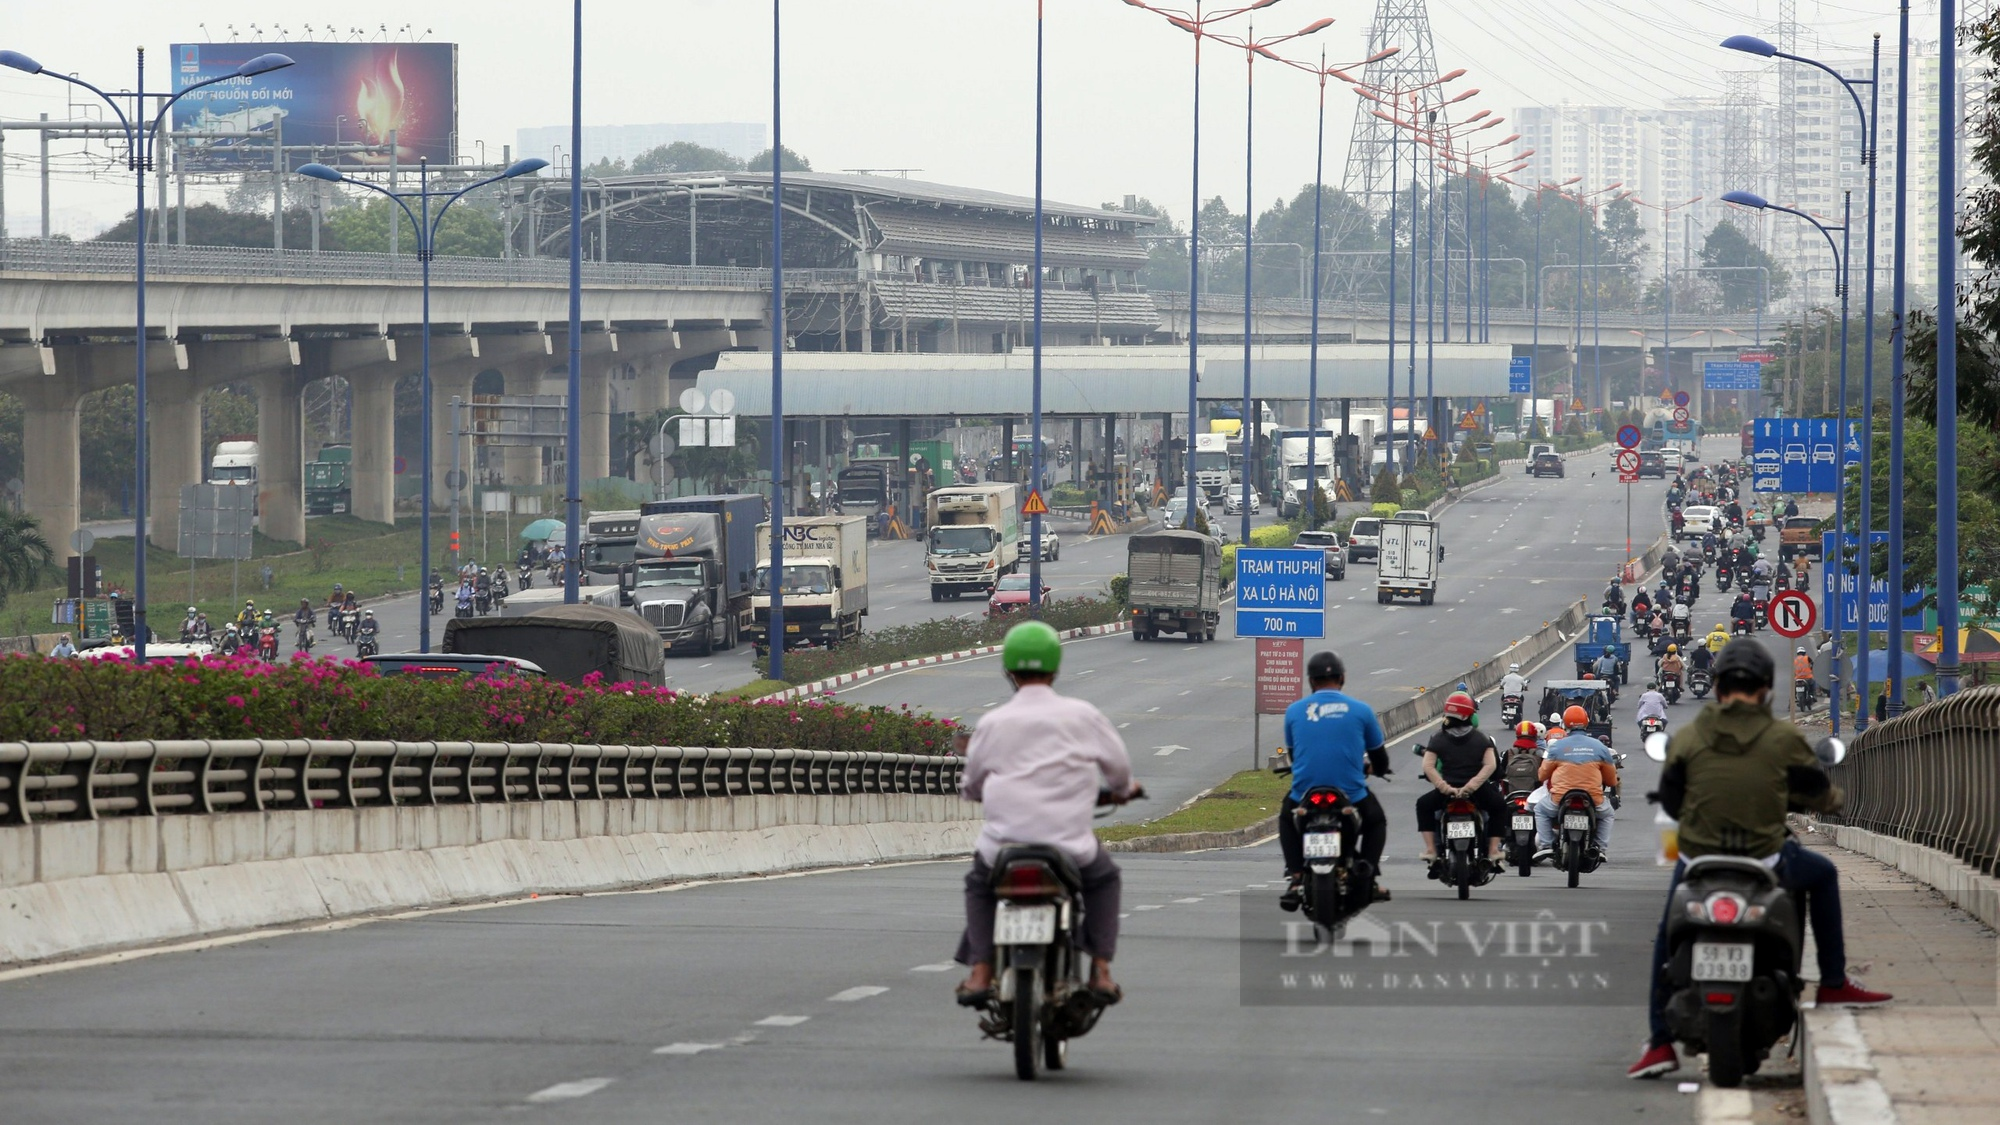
(1080, 380)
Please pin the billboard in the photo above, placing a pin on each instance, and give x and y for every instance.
(1801, 454)
(336, 93)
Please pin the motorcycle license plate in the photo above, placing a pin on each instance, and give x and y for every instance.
(1722, 960)
(1524, 824)
(1576, 820)
(1460, 830)
(1323, 845)
(1024, 925)
(791, 628)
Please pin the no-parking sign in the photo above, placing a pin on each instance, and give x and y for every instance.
(1792, 614)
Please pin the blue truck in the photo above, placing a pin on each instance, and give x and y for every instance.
(1603, 631)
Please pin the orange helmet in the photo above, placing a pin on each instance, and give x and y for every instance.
(1459, 705)
(1576, 717)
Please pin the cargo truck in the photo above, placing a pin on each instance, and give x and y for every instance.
(1211, 464)
(569, 642)
(973, 537)
(609, 539)
(234, 462)
(867, 488)
(733, 551)
(825, 581)
(1407, 565)
(330, 481)
(677, 581)
(1293, 448)
(1175, 584)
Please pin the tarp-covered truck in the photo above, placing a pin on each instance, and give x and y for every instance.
(569, 642)
(825, 581)
(1407, 566)
(1174, 584)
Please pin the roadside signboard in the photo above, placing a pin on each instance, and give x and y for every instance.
(1520, 375)
(1280, 592)
(1035, 505)
(1843, 605)
(1681, 398)
(1281, 674)
(1681, 414)
(1801, 454)
(1723, 375)
(1628, 437)
(1756, 357)
(1792, 614)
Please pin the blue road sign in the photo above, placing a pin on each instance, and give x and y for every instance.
(1724, 375)
(1280, 592)
(1765, 458)
(1520, 375)
(1846, 605)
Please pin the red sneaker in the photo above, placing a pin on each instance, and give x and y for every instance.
(1655, 1062)
(1851, 995)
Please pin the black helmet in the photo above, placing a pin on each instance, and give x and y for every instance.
(1743, 665)
(1325, 666)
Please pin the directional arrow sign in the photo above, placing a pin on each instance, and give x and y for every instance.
(1166, 751)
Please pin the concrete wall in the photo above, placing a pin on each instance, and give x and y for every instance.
(87, 886)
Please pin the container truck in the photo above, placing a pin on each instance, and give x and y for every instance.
(730, 542)
(676, 581)
(973, 537)
(1407, 565)
(1211, 464)
(825, 581)
(867, 488)
(234, 462)
(609, 539)
(1293, 447)
(330, 481)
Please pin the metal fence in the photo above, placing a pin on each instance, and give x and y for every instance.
(68, 781)
(1554, 323)
(1932, 776)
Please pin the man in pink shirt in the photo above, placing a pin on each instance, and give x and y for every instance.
(1038, 762)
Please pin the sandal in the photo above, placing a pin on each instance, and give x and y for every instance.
(974, 997)
(1106, 997)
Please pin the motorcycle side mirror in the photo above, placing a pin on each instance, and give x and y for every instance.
(1417, 749)
(1656, 747)
(1831, 751)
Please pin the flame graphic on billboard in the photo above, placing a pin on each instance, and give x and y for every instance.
(381, 105)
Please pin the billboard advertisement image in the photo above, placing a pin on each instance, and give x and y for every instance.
(336, 93)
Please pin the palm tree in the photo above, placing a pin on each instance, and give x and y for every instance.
(24, 554)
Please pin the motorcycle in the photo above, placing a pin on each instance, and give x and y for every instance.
(366, 645)
(267, 643)
(303, 641)
(437, 597)
(1724, 574)
(1741, 627)
(1039, 1000)
(1338, 882)
(350, 623)
(1699, 683)
(1805, 693)
(527, 573)
(465, 605)
(1461, 859)
(1510, 709)
(1763, 618)
(1651, 725)
(482, 601)
(1576, 835)
(1520, 841)
(1736, 939)
(1671, 689)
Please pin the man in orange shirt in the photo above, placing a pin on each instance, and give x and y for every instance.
(1574, 761)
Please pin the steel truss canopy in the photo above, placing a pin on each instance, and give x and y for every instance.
(1079, 381)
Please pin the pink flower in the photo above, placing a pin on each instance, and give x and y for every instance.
(235, 701)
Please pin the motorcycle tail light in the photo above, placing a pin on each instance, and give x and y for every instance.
(1719, 997)
(1028, 880)
(1725, 909)
(1456, 808)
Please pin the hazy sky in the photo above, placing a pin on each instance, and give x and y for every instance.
(946, 86)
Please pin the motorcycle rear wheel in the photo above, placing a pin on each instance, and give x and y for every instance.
(1573, 863)
(1027, 1024)
(1055, 1053)
(1725, 1049)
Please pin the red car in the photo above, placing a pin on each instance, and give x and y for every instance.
(1011, 594)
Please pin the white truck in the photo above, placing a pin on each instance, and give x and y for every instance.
(825, 581)
(1211, 464)
(1293, 446)
(1407, 565)
(235, 462)
(973, 537)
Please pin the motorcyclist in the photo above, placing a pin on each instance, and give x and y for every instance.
(1671, 666)
(1791, 507)
(63, 647)
(267, 630)
(1606, 668)
(1652, 705)
(302, 619)
(1514, 683)
(1574, 761)
(1802, 667)
(465, 593)
(1699, 658)
(1458, 762)
(189, 632)
(1642, 604)
(1332, 740)
(1038, 762)
(231, 640)
(1729, 778)
(1743, 611)
(368, 628)
(1614, 597)
(247, 619)
(1717, 637)
(1680, 620)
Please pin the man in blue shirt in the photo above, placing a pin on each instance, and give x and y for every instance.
(1332, 739)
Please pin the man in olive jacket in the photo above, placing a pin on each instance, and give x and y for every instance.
(1729, 778)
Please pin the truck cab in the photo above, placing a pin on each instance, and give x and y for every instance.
(972, 537)
(677, 598)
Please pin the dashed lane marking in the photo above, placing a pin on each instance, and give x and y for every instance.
(858, 992)
(562, 1091)
(782, 1021)
(939, 967)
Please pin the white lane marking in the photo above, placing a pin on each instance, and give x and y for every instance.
(858, 992)
(1143, 659)
(1190, 691)
(1122, 726)
(1150, 710)
(939, 967)
(685, 1049)
(994, 703)
(1154, 906)
(561, 1091)
(1384, 671)
(887, 608)
(1166, 751)
(1088, 671)
(711, 664)
(1198, 900)
(782, 1021)
(1122, 916)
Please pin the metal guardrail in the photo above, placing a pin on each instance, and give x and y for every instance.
(70, 781)
(1333, 311)
(1931, 776)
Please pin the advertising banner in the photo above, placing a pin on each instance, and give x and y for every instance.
(335, 93)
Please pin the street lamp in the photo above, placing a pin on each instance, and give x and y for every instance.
(1667, 290)
(1833, 565)
(1322, 72)
(1195, 23)
(426, 229)
(1898, 337)
(140, 140)
(1870, 126)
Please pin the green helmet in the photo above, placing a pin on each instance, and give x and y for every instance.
(1031, 646)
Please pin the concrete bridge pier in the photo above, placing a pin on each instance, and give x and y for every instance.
(51, 466)
(374, 427)
(173, 451)
(281, 509)
(521, 465)
(449, 379)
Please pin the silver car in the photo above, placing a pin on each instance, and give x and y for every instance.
(1051, 543)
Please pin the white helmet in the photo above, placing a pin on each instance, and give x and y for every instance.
(1513, 667)
(1802, 650)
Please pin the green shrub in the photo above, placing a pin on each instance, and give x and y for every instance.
(1387, 489)
(937, 635)
(1121, 589)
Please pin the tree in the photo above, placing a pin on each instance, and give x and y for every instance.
(209, 225)
(793, 162)
(1166, 250)
(466, 231)
(1738, 286)
(24, 555)
(686, 156)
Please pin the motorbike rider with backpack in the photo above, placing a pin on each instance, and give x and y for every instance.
(1458, 762)
(1729, 777)
(1332, 739)
(1038, 763)
(1574, 761)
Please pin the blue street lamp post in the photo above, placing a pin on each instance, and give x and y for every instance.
(1898, 337)
(1035, 428)
(426, 228)
(1832, 565)
(140, 142)
(775, 627)
(1947, 354)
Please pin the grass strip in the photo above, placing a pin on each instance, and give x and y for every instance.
(1239, 802)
